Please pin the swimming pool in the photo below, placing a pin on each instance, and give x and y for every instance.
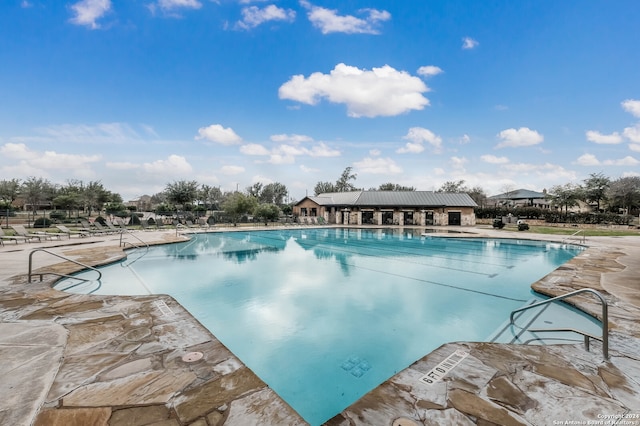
(325, 315)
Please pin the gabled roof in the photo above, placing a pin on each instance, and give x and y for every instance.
(518, 194)
(394, 199)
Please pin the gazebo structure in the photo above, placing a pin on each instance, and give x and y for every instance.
(420, 208)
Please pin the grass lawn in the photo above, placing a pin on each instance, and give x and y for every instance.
(587, 232)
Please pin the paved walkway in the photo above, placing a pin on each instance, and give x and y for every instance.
(105, 360)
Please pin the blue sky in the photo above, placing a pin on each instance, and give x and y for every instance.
(500, 94)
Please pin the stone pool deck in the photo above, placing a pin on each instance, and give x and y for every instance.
(106, 360)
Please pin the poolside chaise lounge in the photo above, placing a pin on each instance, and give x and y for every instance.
(15, 238)
(114, 228)
(70, 232)
(22, 231)
(93, 230)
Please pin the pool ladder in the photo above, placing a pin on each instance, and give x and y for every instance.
(587, 337)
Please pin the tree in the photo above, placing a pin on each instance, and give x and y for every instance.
(9, 190)
(94, 195)
(238, 204)
(210, 196)
(343, 184)
(36, 191)
(182, 192)
(255, 189)
(324, 187)
(274, 193)
(451, 186)
(624, 193)
(566, 196)
(595, 188)
(394, 187)
(267, 212)
(478, 195)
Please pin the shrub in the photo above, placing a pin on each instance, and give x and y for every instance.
(58, 215)
(42, 222)
(498, 223)
(523, 226)
(101, 220)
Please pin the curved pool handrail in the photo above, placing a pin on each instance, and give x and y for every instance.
(30, 273)
(604, 320)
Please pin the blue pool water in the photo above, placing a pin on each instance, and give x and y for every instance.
(325, 315)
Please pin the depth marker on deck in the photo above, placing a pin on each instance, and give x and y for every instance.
(439, 371)
(163, 308)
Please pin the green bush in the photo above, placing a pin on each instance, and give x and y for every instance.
(498, 223)
(58, 215)
(42, 222)
(523, 226)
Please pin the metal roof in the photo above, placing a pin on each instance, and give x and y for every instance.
(518, 194)
(395, 199)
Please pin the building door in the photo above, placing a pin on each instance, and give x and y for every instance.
(455, 218)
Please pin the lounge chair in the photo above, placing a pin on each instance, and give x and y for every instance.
(70, 232)
(92, 230)
(22, 231)
(102, 229)
(15, 238)
(114, 228)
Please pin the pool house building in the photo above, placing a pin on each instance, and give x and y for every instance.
(418, 208)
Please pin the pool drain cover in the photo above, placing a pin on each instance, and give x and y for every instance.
(404, 421)
(192, 357)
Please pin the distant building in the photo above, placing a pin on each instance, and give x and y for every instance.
(520, 198)
(142, 204)
(421, 208)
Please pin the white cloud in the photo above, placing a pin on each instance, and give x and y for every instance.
(122, 165)
(174, 165)
(254, 149)
(46, 163)
(107, 133)
(626, 161)
(464, 139)
(632, 133)
(308, 169)
(587, 160)
(458, 162)
(231, 170)
(591, 160)
(25, 4)
(385, 166)
(632, 106)
(177, 4)
(520, 137)
(328, 20)
(322, 150)
(87, 12)
(492, 159)
(417, 136)
(429, 70)
(500, 107)
(375, 152)
(634, 147)
(597, 137)
(293, 138)
(381, 91)
(469, 43)
(253, 16)
(217, 133)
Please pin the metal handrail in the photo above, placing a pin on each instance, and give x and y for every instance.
(587, 336)
(60, 257)
(584, 238)
(123, 243)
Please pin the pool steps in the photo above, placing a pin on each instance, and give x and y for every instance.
(552, 315)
